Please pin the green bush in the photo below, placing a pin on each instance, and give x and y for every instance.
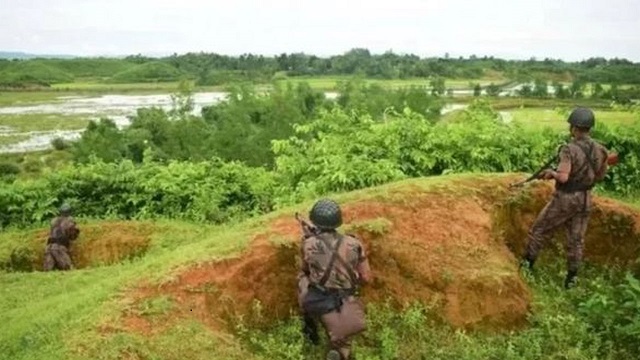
(60, 144)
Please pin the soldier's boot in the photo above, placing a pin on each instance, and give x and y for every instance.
(570, 280)
(310, 330)
(334, 355)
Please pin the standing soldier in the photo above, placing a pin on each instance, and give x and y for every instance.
(582, 163)
(333, 266)
(63, 231)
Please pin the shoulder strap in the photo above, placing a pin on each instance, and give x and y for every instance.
(334, 256)
(588, 154)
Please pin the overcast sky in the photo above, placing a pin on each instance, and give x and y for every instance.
(566, 29)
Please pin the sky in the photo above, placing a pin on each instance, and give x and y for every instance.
(571, 30)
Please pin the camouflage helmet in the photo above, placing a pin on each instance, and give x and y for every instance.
(65, 209)
(582, 117)
(326, 214)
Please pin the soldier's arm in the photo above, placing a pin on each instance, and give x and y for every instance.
(564, 166)
(74, 231)
(304, 265)
(364, 270)
(604, 166)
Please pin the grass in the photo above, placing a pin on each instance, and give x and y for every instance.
(75, 315)
(14, 98)
(43, 122)
(540, 118)
(32, 164)
(329, 83)
(12, 139)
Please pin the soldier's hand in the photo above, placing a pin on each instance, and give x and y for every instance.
(547, 174)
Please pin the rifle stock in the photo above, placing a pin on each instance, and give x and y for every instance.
(307, 228)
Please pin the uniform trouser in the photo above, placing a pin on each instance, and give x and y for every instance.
(568, 210)
(56, 256)
(342, 345)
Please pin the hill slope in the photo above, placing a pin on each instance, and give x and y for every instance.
(445, 241)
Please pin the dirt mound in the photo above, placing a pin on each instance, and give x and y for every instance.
(451, 245)
(99, 244)
(613, 234)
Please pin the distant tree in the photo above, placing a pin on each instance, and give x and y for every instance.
(596, 91)
(477, 90)
(540, 89)
(525, 90)
(437, 86)
(493, 90)
(576, 89)
(560, 91)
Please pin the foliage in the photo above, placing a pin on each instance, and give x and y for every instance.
(210, 191)
(148, 72)
(59, 144)
(217, 69)
(32, 72)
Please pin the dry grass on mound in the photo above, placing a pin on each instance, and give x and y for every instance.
(99, 244)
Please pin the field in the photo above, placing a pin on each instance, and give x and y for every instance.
(43, 122)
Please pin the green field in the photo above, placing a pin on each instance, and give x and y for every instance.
(330, 83)
(540, 118)
(43, 122)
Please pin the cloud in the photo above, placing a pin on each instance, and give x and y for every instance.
(569, 29)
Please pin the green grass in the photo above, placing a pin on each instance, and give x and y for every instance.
(14, 98)
(540, 118)
(329, 83)
(12, 139)
(32, 164)
(43, 122)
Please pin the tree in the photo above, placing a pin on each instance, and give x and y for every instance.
(437, 86)
(493, 90)
(477, 90)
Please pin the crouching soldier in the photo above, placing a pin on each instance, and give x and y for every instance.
(63, 231)
(333, 266)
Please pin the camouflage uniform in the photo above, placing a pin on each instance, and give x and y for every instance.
(571, 203)
(316, 257)
(63, 231)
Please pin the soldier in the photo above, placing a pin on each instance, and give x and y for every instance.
(333, 266)
(63, 231)
(582, 163)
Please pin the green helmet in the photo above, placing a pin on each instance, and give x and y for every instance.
(326, 214)
(65, 209)
(582, 117)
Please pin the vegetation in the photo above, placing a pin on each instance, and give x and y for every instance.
(197, 176)
(286, 146)
(215, 69)
(43, 122)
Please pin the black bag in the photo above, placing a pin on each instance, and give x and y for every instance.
(318, 303)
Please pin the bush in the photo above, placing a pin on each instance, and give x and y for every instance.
(60, 144)
(9, 169)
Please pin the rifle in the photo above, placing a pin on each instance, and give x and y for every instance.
(612, 160)
(536, 174)
(307, 228)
